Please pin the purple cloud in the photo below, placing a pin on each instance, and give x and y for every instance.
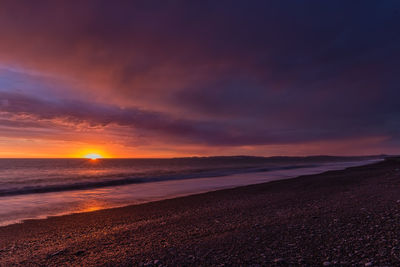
(213, 73)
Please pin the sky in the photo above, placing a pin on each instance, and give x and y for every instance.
(199, 78)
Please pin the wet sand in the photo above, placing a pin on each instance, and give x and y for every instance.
(335, 218)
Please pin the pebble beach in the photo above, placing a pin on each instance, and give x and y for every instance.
(337, 218)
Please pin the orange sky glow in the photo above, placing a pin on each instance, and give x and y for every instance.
(125, 81)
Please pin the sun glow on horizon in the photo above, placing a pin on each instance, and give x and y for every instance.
(92, 153)
(93, 156)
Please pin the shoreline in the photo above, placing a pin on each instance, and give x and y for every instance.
(78, 201)
(183, 195)
(211, 228)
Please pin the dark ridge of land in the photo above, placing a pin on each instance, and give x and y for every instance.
(349, 217)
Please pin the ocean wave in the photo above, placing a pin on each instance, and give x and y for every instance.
(117, 180)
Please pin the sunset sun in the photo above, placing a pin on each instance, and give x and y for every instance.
(93, 156)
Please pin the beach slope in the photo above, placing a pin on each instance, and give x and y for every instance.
(338, 217)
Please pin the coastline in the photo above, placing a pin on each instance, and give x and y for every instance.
(314, 219)
(16, 209)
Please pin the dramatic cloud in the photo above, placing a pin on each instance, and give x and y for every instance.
(209, 74)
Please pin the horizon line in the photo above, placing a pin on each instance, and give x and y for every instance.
(214, 156)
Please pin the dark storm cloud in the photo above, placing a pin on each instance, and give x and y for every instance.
(215, 72)
(187, 131)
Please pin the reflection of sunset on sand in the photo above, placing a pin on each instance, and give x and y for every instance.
(91, 205)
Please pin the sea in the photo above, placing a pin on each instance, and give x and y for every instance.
(39, 188)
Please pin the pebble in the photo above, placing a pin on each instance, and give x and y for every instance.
(326, 263)
(79, 252)
(57, 253)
